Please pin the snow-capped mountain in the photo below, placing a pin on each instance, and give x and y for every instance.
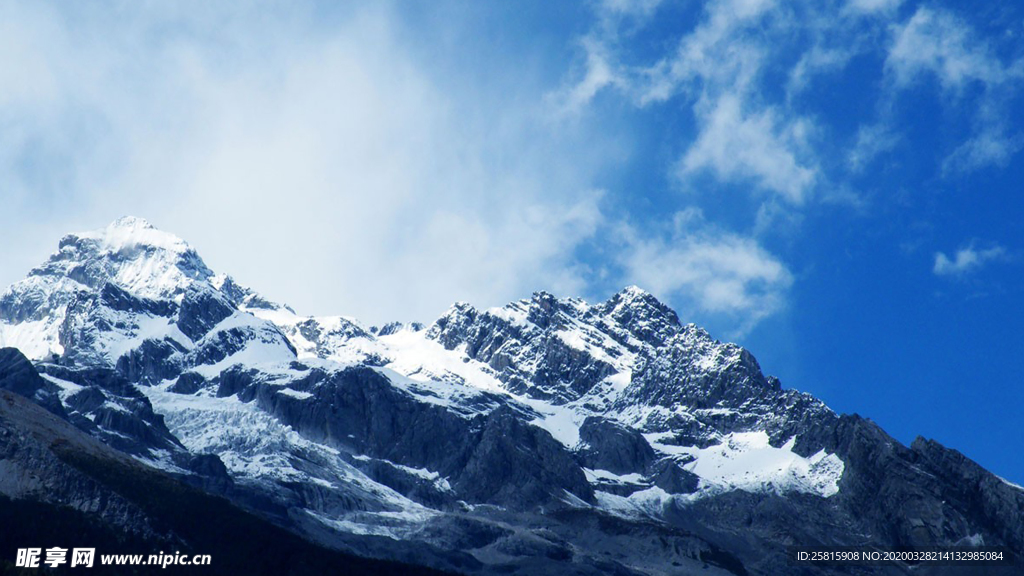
(545, 435)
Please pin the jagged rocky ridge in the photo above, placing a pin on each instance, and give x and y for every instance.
(546, 435)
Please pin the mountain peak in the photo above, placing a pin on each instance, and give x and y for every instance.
(130, 232)
(642, 314)
(634, 291)
(129, 252)
(635, 298)
(632, 295)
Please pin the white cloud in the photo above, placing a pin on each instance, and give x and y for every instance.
(817, 59)
(943, 45)
(966, 260)
(938, 44)
(634, 8)
(872, 140)
(758, 147)
(720, 54)
(598, 74)
(873, 6)
(707, 271)
(739, 138)
(600, 68)
(725, 66)
(716, 68)
(990, 147)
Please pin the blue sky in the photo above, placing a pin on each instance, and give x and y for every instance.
(835, 185)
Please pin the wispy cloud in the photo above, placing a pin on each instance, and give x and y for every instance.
(599, 73)
(991, 146)
(758, 147)
(872, 6)
(627, 8)
(751, 124)
(707, 270)
(714, 67)
(937, 44)
(967, 260)
(818, 59)
(872, 141)
(719, 54)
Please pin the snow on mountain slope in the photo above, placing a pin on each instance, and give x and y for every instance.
(337, 338)
(36, 338)
(747, 461)
(258, 449)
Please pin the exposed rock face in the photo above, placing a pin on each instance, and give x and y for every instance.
(987, 500)
(495, 458)
(546, 436)
(201, 310)
(19, 376)
(104, 403)
(527, 356)
(29, 468)
(519, 466)
(610, 446)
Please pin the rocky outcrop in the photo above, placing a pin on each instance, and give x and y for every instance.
(18, 375)
(519, 466)
(201, 310)
(105, 404)
(608, 445)
(528, 355)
